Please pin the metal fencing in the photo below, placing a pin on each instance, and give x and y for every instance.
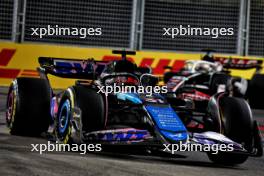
(112, 16)
(139, 24)
(197, 14)
(6, 19)
(256, 28)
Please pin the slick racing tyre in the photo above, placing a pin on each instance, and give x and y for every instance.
(63, 125)
(92, 107)
(255, 93)
(28, 104)
(237, 124)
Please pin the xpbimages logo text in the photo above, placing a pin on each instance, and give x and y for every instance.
(148, 90)
(56, 30)
(188, 30)
(58, 147)
(195, 147)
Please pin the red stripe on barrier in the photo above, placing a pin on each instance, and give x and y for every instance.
(146, 62)
(28, 74)
(159, 69)
(6, 55)
(261, 128)
(9, 73)
(34, 71)
(111, 58)
(177, 65)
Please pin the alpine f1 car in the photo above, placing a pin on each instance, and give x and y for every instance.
(83, 113)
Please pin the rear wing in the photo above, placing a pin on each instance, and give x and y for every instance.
(76, 68)
(71, 68)
(239, 63)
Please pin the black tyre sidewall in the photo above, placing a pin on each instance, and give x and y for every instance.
(92, 106)
(237, 124)
(32, 112)
(237, 120)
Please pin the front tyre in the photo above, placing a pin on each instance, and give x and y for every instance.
(63, 126)
(237, 124)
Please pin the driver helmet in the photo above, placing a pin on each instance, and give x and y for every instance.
(124, 66)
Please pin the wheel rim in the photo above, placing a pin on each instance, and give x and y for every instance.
(64, 116)
(10, 107)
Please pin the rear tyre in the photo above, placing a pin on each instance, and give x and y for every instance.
(28, 105)
(255, 94)
(237, 124)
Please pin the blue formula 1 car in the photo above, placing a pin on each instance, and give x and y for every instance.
(86, 113)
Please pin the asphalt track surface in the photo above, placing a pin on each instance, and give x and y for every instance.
(16, 158)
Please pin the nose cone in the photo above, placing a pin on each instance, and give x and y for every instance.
(175, 136)
(168, 122)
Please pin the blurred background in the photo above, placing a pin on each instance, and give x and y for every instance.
(137, 24)
(126, 24)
